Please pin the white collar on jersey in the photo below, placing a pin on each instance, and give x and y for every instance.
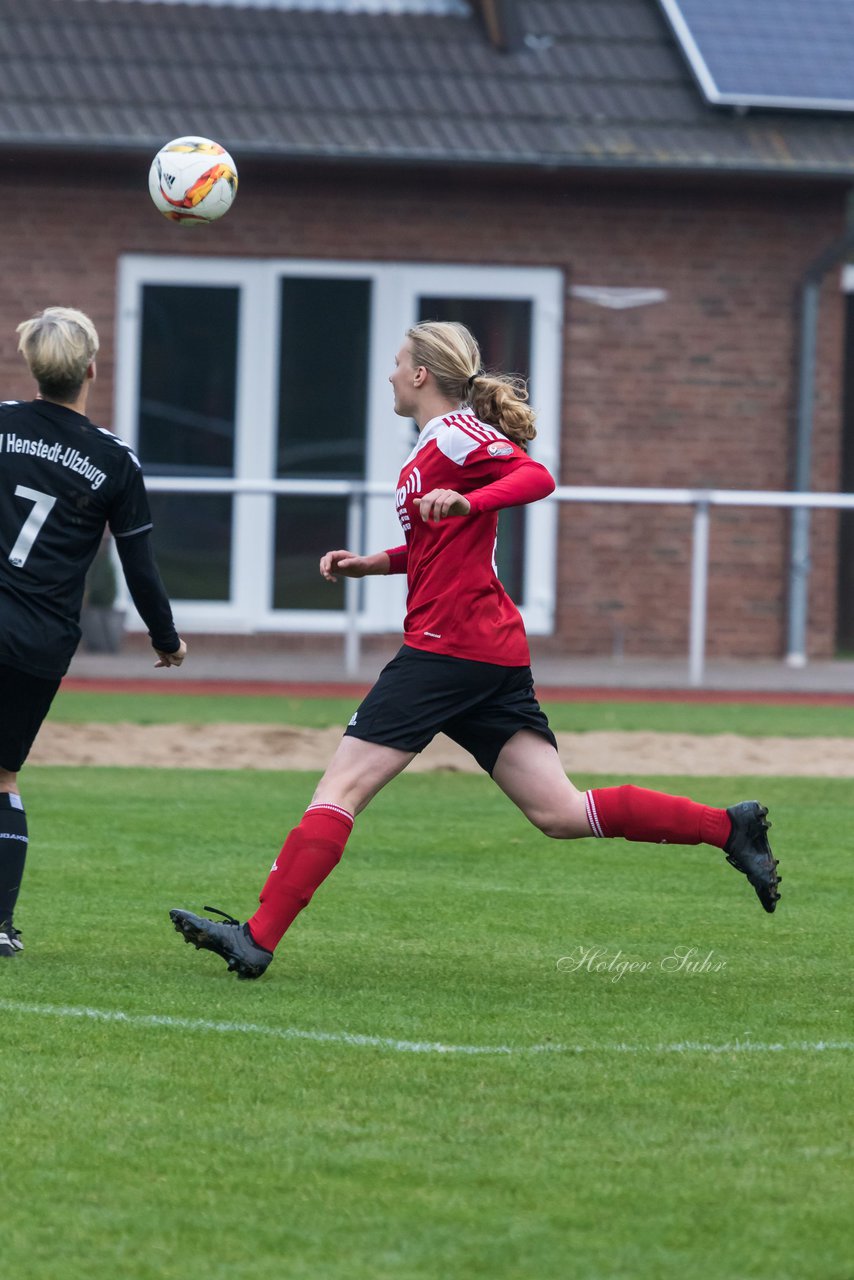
(457, 434)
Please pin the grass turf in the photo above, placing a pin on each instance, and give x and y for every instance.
(727, 717)
(161, 1150)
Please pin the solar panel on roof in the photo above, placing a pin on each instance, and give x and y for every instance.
(791, 54)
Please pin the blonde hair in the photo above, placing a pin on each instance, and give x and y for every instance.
(58, 345)
(452, 355)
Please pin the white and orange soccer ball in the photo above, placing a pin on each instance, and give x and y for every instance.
(193, 180)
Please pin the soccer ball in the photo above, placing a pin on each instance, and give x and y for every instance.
(192, 180)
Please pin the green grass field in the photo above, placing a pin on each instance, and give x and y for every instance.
(667, 717)
(434, 1080)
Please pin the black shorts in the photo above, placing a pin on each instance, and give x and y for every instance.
(477, 704)
(24, 702)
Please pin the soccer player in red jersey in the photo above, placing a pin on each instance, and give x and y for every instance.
(464, 668)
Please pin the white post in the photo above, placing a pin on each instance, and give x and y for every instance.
(353, 586)
(699, 592)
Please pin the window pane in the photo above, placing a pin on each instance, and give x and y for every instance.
(305, 529)
(502, 327)
(503, 331)
(323, 378)
(188, 376)
(192, 542)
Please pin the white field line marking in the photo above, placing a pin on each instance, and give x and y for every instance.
(412, 1046)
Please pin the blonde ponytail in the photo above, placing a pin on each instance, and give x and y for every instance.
(501, 401)
(452, 355)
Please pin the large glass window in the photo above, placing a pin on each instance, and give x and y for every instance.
(323, 377)
(192, 542)
(305, 528)
(322, 427)
(186, 426)
(188, 379)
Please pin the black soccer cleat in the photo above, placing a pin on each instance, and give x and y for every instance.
(748, 850)
(229, 939)
(10, 940)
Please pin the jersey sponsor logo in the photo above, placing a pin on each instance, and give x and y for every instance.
(411, 485)
(63, 456)
(496, 450)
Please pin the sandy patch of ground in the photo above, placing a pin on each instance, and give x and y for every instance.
(244, 746)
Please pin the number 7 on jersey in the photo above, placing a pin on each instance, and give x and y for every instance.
(32, 525)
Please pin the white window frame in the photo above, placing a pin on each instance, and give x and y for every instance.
(396, 289)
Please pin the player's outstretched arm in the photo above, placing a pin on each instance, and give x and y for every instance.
(526, 481)
(347, 564)
(149, 596)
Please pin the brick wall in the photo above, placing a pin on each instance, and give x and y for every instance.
(698, 390)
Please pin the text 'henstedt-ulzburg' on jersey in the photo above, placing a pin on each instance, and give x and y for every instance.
(65, 457)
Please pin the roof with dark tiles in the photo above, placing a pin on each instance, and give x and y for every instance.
(596, 84)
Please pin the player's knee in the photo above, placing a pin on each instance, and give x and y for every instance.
(560, 831)
(559, 826)
(560, 817)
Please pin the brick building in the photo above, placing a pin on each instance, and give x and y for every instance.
(546, 171)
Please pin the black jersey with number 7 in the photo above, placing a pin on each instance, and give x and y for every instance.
(62, 481)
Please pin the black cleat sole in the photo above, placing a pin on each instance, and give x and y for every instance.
(757, 862)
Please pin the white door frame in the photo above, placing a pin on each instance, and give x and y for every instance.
(396, 289)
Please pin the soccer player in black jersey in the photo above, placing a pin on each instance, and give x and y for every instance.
(62, 481)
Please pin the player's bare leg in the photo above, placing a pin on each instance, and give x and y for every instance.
(13, 853)
(530, 773)
(357, 771)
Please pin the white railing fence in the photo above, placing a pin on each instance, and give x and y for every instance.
(701, 500)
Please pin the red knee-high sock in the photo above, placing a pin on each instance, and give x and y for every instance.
(308, 855)
(653, 816)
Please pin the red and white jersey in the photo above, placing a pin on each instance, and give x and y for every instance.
(456, 604)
